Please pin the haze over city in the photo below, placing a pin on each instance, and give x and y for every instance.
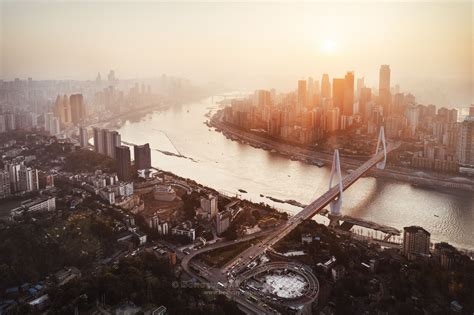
(236, 158)
(244, 45)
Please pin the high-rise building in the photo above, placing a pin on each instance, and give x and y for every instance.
(55, 127)
(62, 109)
(331, 119)
(45, 180)
(316, 88)
(449, 116)
(413, 116)
(338, 93)
(3, 125)
(105, 141)
(83, 137)
(264, 98)
(100, 140)
(112, 139)
(13, 174)
(384, 88)
(310, 94)
(97, 134)
(223, 221)
(78, 110)
(51, 124)
(47, 121)
(122, 156)
(398, 103)
(28, 179)
(209, 205)
(4, 184)
(57, 106)
(365, 96)
(24, 121)
(10, 122)
(394, 125)
(325, 86)
(348, 105)
(416, 242)
(465, 151)
(471, 110)
(302, 96)
(452, 117)
(360, 85)
(142, 156)
(111, 77)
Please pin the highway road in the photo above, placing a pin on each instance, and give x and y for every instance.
(213, 276)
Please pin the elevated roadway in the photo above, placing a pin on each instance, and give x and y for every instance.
(214, 277)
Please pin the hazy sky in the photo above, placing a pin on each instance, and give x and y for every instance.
(428, 45)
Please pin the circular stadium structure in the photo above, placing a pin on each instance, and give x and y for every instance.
(283, 283)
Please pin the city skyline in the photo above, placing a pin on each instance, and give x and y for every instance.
(432, 58)
(236, 158)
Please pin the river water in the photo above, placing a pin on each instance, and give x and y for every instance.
(228, 166)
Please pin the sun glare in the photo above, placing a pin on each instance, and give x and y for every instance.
(328, 46)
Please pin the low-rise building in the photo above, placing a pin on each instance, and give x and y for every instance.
(35, 205)
(184, 230)
(141, 237)
(338, 272)
(67, 274)
(306, 239)
(164, 193)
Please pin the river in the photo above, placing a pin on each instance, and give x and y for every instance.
(227, 166)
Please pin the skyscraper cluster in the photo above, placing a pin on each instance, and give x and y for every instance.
(307, 115)
(105, 141)
(70, 110)
(30, 121)
(17, 177)
(108, 142)
(18, 121)
(312, 112)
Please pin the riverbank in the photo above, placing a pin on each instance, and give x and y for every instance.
(228, 166)
(414, 177)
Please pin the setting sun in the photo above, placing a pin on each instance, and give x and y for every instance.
(328, 46)
(236, 157)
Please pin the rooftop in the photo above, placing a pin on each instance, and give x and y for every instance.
(415, 229)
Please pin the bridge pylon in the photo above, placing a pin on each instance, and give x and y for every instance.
(381, 165)
(336, 204)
